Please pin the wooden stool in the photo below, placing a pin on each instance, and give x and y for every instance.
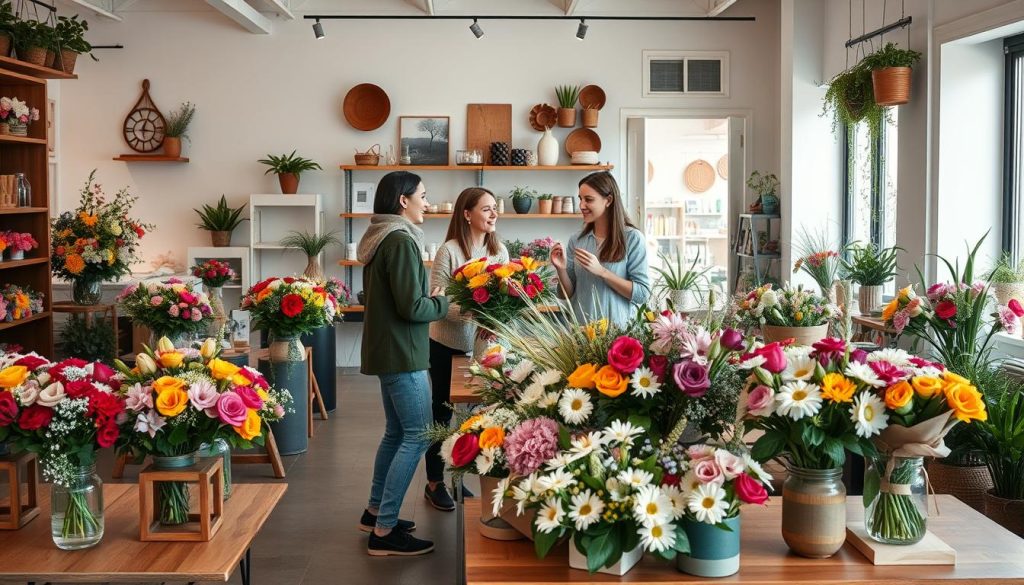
(209, 474)
(17, 514)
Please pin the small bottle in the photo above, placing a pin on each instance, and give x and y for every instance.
(501, 206)
(23, 189)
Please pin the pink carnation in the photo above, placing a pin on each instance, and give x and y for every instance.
(900, 321)
(156, 301)
(887, 372)
(1009, 320)
(173, 310)
(531, 444)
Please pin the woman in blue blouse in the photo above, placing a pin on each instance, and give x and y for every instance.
(604, 270)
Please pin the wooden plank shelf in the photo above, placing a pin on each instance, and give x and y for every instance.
(771, 255)
(151, 158)
(473, 168)
(576, 216)
(12, 139)
(29, 70)
(10, 324)
(22, 210)
(9, 264)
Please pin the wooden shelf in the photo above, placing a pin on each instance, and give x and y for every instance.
(31, 70)
(22, 210)
(12, 139)
(473, 168)
(151, 158)
(9, 264)
(353, 309)
(576, 216)
(8, 325)
(760, 216)
(358, 263)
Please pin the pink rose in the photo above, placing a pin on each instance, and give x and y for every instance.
(761, 401)
(156, 301)
(197, 315)
(750, 490)
(1016, 307)
(493, 360)
(692, 378)
(626, 354)
(699, 452)
(775, 359)
(730, 464)
(732, 339)
(187, 297)
(707, 471)
(900, 321)
(173, 310)
(231, 409)
(249, 397)
(481, 295)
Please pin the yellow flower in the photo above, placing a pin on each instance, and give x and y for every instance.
(111, 256)
(240, 380)
(89, 220)
(492, 437)
(837, 387)
(168, 383)
(651, 317)
(474, 268)
(470, 422)
(610, 382)
(926, 386)
(596, 328)
(172, 401)
(799, 316)
(529, 263)
(13, 376)
(966, 402)
(479, 280)
(250, 428)
(906, 292)
(898, 395)
(171, 359)
(505, 271)
(583, 376)
(951, 378)
(263, 394)
(890, 309)
(222, 370)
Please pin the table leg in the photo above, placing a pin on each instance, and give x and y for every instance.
(460, 536)
(245, 567)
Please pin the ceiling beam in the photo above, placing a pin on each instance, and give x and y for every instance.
(720, 6)
(570, 7)
(246, 16)
(281, 8)
(97, 10)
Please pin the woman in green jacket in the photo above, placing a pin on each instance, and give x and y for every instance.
(399, 308)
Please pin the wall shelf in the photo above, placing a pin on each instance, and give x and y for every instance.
(22, 210)
(11, 324)
(12, 139)
(473, 168)
(39, 71)
(427, 263)
(9, 264)
(150, 158)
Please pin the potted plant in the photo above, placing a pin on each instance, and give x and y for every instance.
(680, 284)
(7, 23)
(177, 128)
(288, 167)
(890, 69)
(522, 199)
(311, 245)
(1000, 439)
(870, 268)
(1007, 280)
(71, 41)
(850, 99)
(544, 203)
(567, 96)
(31, 38)
(787, 313)
(220, 221)
(767, 189)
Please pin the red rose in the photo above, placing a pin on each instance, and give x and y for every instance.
(102, 372)
(481, 295)
(104, 405)
(945, 309)
(259, 286)
(465, 450)
(78, 388)
(626, 354)
(8, 408)
(292, 305)
(659, 365)
(531, 291)
(1015, 306)
(106, 435)
(288, 280)
(750, 490)
(775, 358)
(31, 362)
(670, 479)
(35, 417)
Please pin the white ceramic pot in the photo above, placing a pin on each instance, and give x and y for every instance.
(801, 335)
(547, 149)
(869, 299)
(578, 560)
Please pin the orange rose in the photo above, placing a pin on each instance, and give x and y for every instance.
(926, 386)
(165, 383)
(899, 396)
(13, 376)
(171, 359)
(966, 402)
(951, 378)
(610, 382)
(492, 437)
(890, 309)
(250, 428)
(583, 376)
(172, 401)
(479, 280)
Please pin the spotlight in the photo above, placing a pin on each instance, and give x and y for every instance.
(318, 29)
(581, 30)
(479, 32)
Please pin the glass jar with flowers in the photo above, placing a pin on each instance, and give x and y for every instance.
(215, 274)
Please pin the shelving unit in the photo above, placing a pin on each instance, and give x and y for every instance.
(747, 245)
(151, 158)
(271, 217)
(29, 155)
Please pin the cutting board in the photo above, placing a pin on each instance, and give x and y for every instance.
(487, 123)
(929, 551)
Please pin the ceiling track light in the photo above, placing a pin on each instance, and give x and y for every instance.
(581, 30)
(318, 29)
(475, 27)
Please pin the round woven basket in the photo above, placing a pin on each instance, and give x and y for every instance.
(967, 483)
(1005, 291)
(1007, 513)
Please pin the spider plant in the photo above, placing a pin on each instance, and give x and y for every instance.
(676, 277)
(311, 244)
(869, 266)
(220, 218)
(286, 164)
(567, 95)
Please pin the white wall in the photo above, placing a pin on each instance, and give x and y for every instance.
(270, 94)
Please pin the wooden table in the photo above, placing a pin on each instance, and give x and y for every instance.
(30, 555)
(986, 553)
(873, 329)
(463, 387)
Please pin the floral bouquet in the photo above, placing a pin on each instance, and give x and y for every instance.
(787, 307)
(1010, 316)
(818, 259)
(17, 115)
(341, 293)
(499, 293)
(478, 446)
(179, 398)
(96, 242)
(714, 481)
(289, 306)
(19, 302)
(214, 273)
(169, 308)
(64, 411)
(18, 243)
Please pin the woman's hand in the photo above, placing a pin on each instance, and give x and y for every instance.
(590, 262)
(558, 256)
(437, 292)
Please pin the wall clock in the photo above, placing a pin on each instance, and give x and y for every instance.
(145, 125)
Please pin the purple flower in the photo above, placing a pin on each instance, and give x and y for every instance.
(531, 444)
(691, 377)
(859, 355)
(732, 339)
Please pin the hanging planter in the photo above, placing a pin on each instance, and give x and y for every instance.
(849, 100)
(890, 69)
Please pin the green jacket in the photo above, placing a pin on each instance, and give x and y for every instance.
(399, 308)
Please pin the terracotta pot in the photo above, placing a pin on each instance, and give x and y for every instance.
(544, 205)
(968, 483)
(800, 335)
(34, 55)
(1007, 513)
(289, 183)
(172, 146)
(891, 85)
(221, 239)
(68, 60)
(590, 118)
(566, 117)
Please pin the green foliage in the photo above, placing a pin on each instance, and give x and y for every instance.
(891, 56)
(675, 277)
(545, 196)
(178, 121)
(90, 343)
(70, 34)
(763, 184)
(7, 17)
(220, 218)
(515, 248)
(567, 95)
(518, 192)
(311, 244)
(850, 99)
(869, 266)
(1001, 441)
(31, 33)
(288, 164)
(1006, 272)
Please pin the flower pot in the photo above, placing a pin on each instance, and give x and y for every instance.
(172, 146)
(507, 525)
(221, 239)
(968, 483)
(684, 300)
(714, 552)
(50, 56)
(17, 254)
(291, 433)
(566, 117)
(800, 335)
(18, 129)
(286, 348)
(544, 205)
(769, 204)
(1007, 513)
(891, 85)
(220, 317)
(76, 510)
(1007, 291)
(68, 60)
(629, 559)
(289, 183)
(869, 299)
(313, 270)
(34, 55)
(522, 204)
(86, 291)
(547, 149)
(590, 118)
(814, 511)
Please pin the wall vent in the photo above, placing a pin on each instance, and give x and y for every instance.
(686, 73)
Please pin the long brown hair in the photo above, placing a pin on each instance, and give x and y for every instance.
(458, 229)
(614, 247)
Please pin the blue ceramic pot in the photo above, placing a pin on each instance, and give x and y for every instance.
(522, 204)
(714, 552)
(769, 204)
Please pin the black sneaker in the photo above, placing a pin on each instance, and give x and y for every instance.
(368, 521)
(397, 543)
(439, 497)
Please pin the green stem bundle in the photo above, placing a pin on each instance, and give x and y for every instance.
(79, 520)
(895, 517)
(174, 502)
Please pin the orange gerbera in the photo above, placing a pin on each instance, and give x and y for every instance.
(87, 219)
(74, 263)
(890, 309)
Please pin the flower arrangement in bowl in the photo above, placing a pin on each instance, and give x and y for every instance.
(538, 249)
(170, 308)
(787, 313)
(19, 302)
(288, 307)
(15, 116)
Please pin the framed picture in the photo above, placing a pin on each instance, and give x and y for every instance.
(423, 139)
(239, 328)
(362, 197)
(692, 206)
(236, 257)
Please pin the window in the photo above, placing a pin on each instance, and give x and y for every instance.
(871, 165)
(1013, 148)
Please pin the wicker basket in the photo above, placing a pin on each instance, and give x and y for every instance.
(369, 158)
(1004, 291)
(967, 483)
(1007, 513)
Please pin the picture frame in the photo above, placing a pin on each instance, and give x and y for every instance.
(423, 140)
(236, 256)
(692, 206)
(240, 333)
(362, 197)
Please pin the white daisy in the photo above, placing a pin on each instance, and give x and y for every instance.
(559, 461)
(616, 489)
(869, 414)
(550, 515)
(657, 537)
(894, 355)
(689, 483)
(548, 377)
(708, 503)
(485, 460)
(585, 444)
(864, 373)
(586, 508)
(799, 367)
(754, 469)
(651, 506)
(635, 478)
(521, 371)
(645, 385)
(622, 432)
(575, 406)
(677, 498)
(532, 394)
(523, 491)
(498, 496)
(550, 399)
(447, 446)
(558, 479)
(797, 351)
(752, 362)
(798, 400)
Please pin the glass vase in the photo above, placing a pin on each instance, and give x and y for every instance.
(180, 339)
(286, 348)
(86, 291)
(173, 496)
(23, 188)
(76, 510)
(218, 313)
(220, 448)
(814, 511)
(896, 500)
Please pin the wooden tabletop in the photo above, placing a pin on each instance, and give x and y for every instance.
(30, 555)
(463, 389)
(986, 553)
(875, 323)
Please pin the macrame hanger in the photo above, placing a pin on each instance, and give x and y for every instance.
(850, 36)
(881, 39)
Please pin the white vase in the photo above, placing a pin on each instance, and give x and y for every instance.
(578, 560)
(547, 149)
(17, 254)
(869, 299)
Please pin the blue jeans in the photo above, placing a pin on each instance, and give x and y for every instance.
(406, 397)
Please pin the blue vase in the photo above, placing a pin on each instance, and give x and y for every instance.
(714, 552)
(522, 204)
(769, 204)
